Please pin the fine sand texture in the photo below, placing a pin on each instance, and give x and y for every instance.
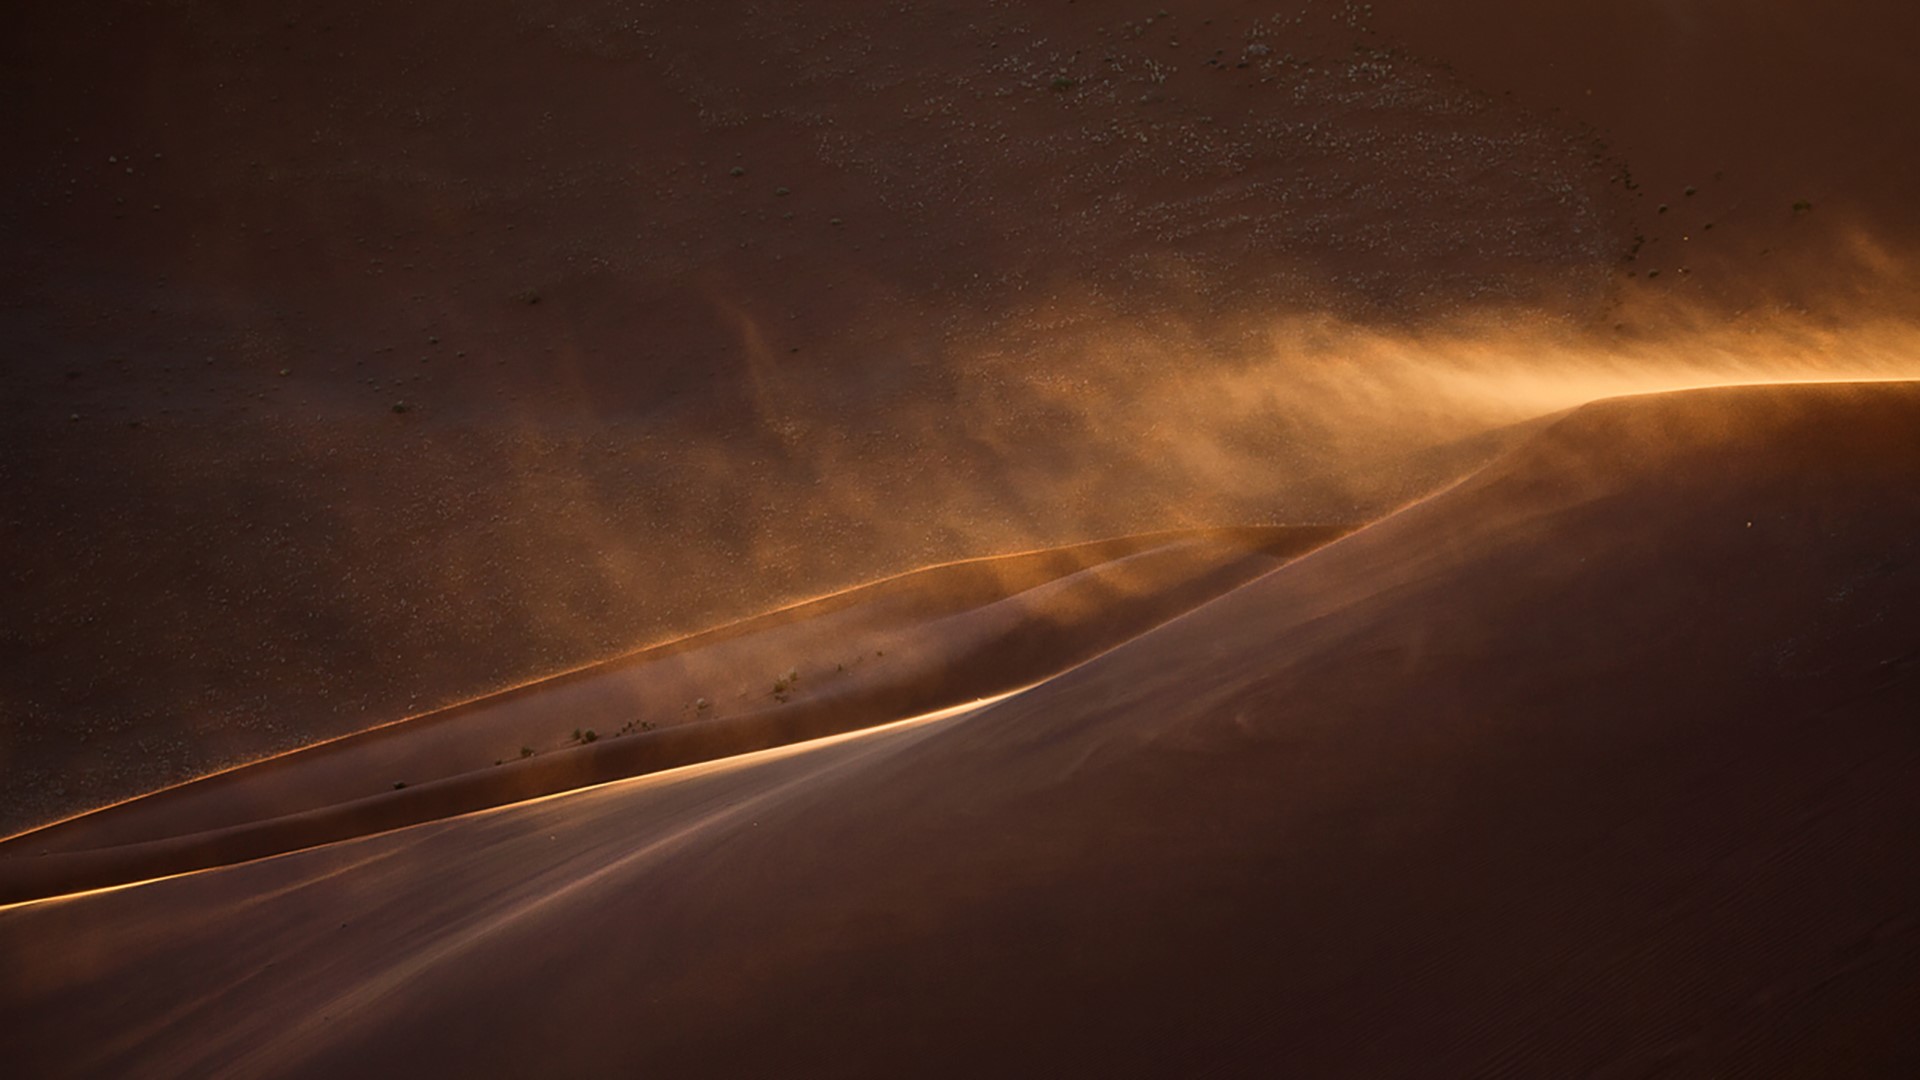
(1603, 761)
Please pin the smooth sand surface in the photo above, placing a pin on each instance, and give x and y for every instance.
(1601, 762)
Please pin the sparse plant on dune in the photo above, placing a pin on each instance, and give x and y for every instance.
(783, 686)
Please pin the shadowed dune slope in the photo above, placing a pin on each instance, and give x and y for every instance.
(1603, 762)
(914, 643)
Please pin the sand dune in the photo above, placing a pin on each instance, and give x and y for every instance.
(1601, 762)
(507, 511)
(1046, 274)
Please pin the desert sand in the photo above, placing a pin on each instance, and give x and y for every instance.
(580, 539)
(1601, 759)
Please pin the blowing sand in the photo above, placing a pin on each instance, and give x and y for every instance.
(1601, 758)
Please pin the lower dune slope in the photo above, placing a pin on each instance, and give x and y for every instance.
(1603, 762)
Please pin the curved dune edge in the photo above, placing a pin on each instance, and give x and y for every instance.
(959, 632)
(59, 874)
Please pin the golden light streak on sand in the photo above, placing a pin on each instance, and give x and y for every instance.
(1510, 372)
(770, 754)
(1534, 393)
(356, 1001)
(515, 688)
(665, 776)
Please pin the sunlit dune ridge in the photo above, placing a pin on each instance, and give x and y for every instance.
(1499, 369)
(1522, 378)
(1245, 412)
